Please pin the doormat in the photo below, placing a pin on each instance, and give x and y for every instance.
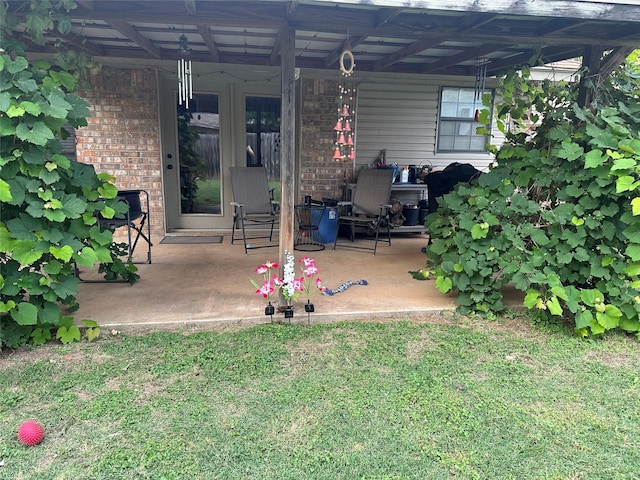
(192, 240)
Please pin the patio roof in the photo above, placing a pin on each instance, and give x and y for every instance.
(409, 36)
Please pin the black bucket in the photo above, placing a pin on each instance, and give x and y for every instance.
(410, 213)
(422, 215)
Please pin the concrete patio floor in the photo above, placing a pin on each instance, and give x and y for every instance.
(198, 285)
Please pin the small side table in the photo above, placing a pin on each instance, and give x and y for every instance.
(308, 236)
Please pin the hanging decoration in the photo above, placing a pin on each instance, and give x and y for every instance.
(481, 77)
(185, 78)
(344, 147)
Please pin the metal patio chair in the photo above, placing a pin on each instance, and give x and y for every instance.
(369, 209)
(135, 219)
(254, 208)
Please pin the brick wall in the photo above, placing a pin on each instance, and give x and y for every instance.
(123, 134)
(320, 175)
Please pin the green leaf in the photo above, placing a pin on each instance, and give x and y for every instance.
(73, 206)
(479, 230)
(584, 319)
(554, 306)
(5, 191)
(623, 164)
(629, 325)
(531, 298)
(63, 253)
(68, 335)
(610, 318)
(86, 257)
(24, 252)
(570, 151)
(38, 134)
(591, 297)
(594, 158)
(626, 183)
(50, 314)
(633, 251)
(8, 306)
(25, 314)
(635, 206)
(40, 336)
(444, 284)
(17, 65)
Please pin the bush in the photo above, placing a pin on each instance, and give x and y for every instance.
(558, 216)
(50, 204)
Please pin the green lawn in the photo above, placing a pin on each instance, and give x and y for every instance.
(209, 191)
(460, 399)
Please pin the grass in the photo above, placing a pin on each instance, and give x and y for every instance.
(394, 400)
(209, 191)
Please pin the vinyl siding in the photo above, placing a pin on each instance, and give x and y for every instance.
(402, 118)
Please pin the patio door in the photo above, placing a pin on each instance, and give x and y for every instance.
(192, 163)
(225, 125)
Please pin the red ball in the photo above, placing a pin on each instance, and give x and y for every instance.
(30, 433)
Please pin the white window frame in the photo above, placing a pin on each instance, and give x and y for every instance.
(457, 126)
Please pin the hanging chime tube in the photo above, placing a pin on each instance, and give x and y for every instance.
(185, 82)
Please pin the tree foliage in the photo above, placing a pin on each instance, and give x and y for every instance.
(50, 204)
(558, 216)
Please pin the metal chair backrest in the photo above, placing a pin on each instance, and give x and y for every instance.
(373, 188)
(132, 198)
(250, 188)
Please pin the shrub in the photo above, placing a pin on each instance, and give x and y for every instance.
(50, 204)
(558, 216)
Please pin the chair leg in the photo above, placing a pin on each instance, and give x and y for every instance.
(233, 228)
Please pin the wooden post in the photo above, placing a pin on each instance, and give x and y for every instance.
(591, 70)
(287, 144)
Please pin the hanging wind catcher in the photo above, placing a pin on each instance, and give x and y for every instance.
(344, 146)
(185, 78)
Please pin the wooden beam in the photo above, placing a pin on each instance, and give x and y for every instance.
(277, 46)
(205, 33)
(131, 33)
(587, 9)
(81, 43)
(287, 143)
(386, 15)
(473, 53)
(612, 60)
(408, 51)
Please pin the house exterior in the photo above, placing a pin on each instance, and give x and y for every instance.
(419, 70)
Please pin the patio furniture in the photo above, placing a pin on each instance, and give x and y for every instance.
(134, 219)
(369, 209)
(253, 206)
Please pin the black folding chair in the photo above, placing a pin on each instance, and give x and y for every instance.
(135, 219)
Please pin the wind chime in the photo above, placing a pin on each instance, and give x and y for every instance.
(481, 77)
(185, 78)
(344, 147)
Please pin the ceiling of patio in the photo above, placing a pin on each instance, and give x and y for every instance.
(431, 36)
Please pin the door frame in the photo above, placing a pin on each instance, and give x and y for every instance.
(232, 103)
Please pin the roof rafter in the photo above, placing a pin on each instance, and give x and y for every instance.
(131, 33)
